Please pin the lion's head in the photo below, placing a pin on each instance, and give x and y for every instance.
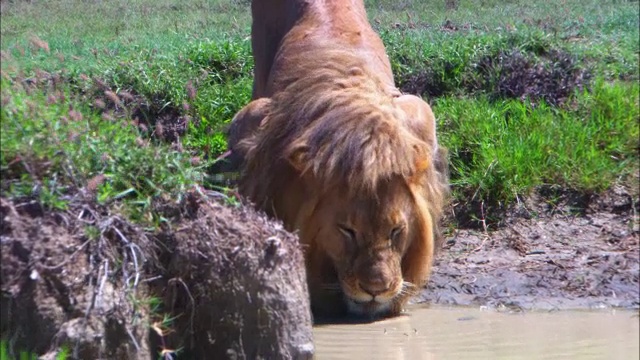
(370, 251)
(358, 173)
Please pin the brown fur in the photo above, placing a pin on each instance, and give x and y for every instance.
(331, 147)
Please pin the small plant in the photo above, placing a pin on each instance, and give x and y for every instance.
(162, 328)
(63, 354)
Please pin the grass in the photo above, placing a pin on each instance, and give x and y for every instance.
(503, 149)
(54, 144)
(179, 72)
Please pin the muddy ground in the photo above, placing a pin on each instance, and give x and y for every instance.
(62, 288)
(581, 252)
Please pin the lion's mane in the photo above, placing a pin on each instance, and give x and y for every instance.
(334, 125)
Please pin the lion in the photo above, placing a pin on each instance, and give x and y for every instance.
(329, 146)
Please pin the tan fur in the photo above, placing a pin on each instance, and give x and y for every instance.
(331, 147)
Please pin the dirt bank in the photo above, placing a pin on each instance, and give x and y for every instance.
(238, 281)
(221, 282)
(60, 288)
(579, 252)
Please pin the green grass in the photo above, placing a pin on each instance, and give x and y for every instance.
(191, 63)
(53, 145)
(503, 149)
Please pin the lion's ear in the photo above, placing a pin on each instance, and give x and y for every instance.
(298, 157)
(421, 162)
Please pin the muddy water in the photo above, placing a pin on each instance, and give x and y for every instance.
(465, 333)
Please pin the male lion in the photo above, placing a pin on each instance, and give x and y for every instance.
(333, 149)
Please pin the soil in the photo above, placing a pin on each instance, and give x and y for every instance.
(221, 282)
(238, 281)
(58, 291)
(569, 255)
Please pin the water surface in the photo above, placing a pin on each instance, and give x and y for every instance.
(471, 333)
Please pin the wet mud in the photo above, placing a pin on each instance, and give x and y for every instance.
(568, 258)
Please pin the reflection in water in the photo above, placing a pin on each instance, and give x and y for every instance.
(464, 333)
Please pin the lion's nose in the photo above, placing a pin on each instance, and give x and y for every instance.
(375, 285)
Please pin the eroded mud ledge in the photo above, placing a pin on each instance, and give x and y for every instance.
(221, 281)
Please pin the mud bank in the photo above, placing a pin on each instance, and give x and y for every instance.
(238, 281)
(221, 282)
(574, 254)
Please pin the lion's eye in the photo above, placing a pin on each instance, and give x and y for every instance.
(348, 232)
(395, 233)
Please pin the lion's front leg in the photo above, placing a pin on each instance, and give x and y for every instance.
(243, 125)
